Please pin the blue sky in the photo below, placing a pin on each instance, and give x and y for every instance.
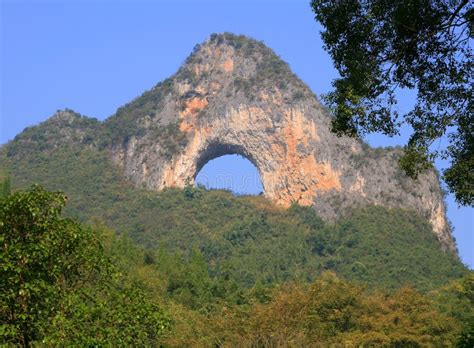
(94, 56)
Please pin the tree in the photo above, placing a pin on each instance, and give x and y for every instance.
(36, 252)
(380, 47)
(335, 312)
(57, 284)
(457, 300)
(5, 186)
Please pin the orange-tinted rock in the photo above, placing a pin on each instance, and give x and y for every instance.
(234, 95)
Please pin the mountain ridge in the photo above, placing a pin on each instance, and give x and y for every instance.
(262, 111)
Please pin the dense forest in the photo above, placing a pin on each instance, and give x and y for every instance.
(247, 236)
(108, 263)
(82, 284)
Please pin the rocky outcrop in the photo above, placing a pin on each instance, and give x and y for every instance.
(233, 95)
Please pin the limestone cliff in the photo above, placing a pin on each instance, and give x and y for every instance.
(234, 95)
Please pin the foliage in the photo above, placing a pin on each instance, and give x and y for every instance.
(457, 300)
(371, 249)
(207, 311)
(194, 267)
(58, 285)
(241, 238)
(132, 120)
(88, 286)
(65, 128)
(380, 47)
(244, 237)
(170, 138)
(215, 263)
(271, 71)
(332, 311)
(329, 311)
(5, 186)
(128, 119)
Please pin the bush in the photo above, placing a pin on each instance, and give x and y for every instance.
(58, 285)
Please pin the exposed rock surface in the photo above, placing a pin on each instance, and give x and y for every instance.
(233, 95)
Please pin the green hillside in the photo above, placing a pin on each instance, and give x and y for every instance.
(71, 284)
(193, 267)
(246, 237)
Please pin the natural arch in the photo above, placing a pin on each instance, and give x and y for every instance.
(280, 151)
(234, 95)
(217, 150)
(230, 172)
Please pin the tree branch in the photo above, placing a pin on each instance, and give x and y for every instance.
(456, 11)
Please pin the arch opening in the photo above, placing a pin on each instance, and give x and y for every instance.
(233, 172)
(215, 150)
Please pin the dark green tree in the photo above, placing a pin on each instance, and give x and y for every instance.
(58, 286)
(457, 300)
(380, 47)
(36, 254)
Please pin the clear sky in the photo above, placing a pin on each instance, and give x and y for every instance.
(94, 56)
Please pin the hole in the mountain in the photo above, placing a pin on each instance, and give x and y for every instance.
(230, 172)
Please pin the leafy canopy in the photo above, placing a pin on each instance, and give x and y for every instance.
(244, 236)
(380, 47)
(59, 286)
(67, 284)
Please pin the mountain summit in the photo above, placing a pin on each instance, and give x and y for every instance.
(234, 95)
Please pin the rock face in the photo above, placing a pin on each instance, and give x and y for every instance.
(233, 95)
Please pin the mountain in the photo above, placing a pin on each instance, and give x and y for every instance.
(356, 212)
(234, 95)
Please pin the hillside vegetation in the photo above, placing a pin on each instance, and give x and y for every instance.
(71, 284)
(245, 237)
(196, 267)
